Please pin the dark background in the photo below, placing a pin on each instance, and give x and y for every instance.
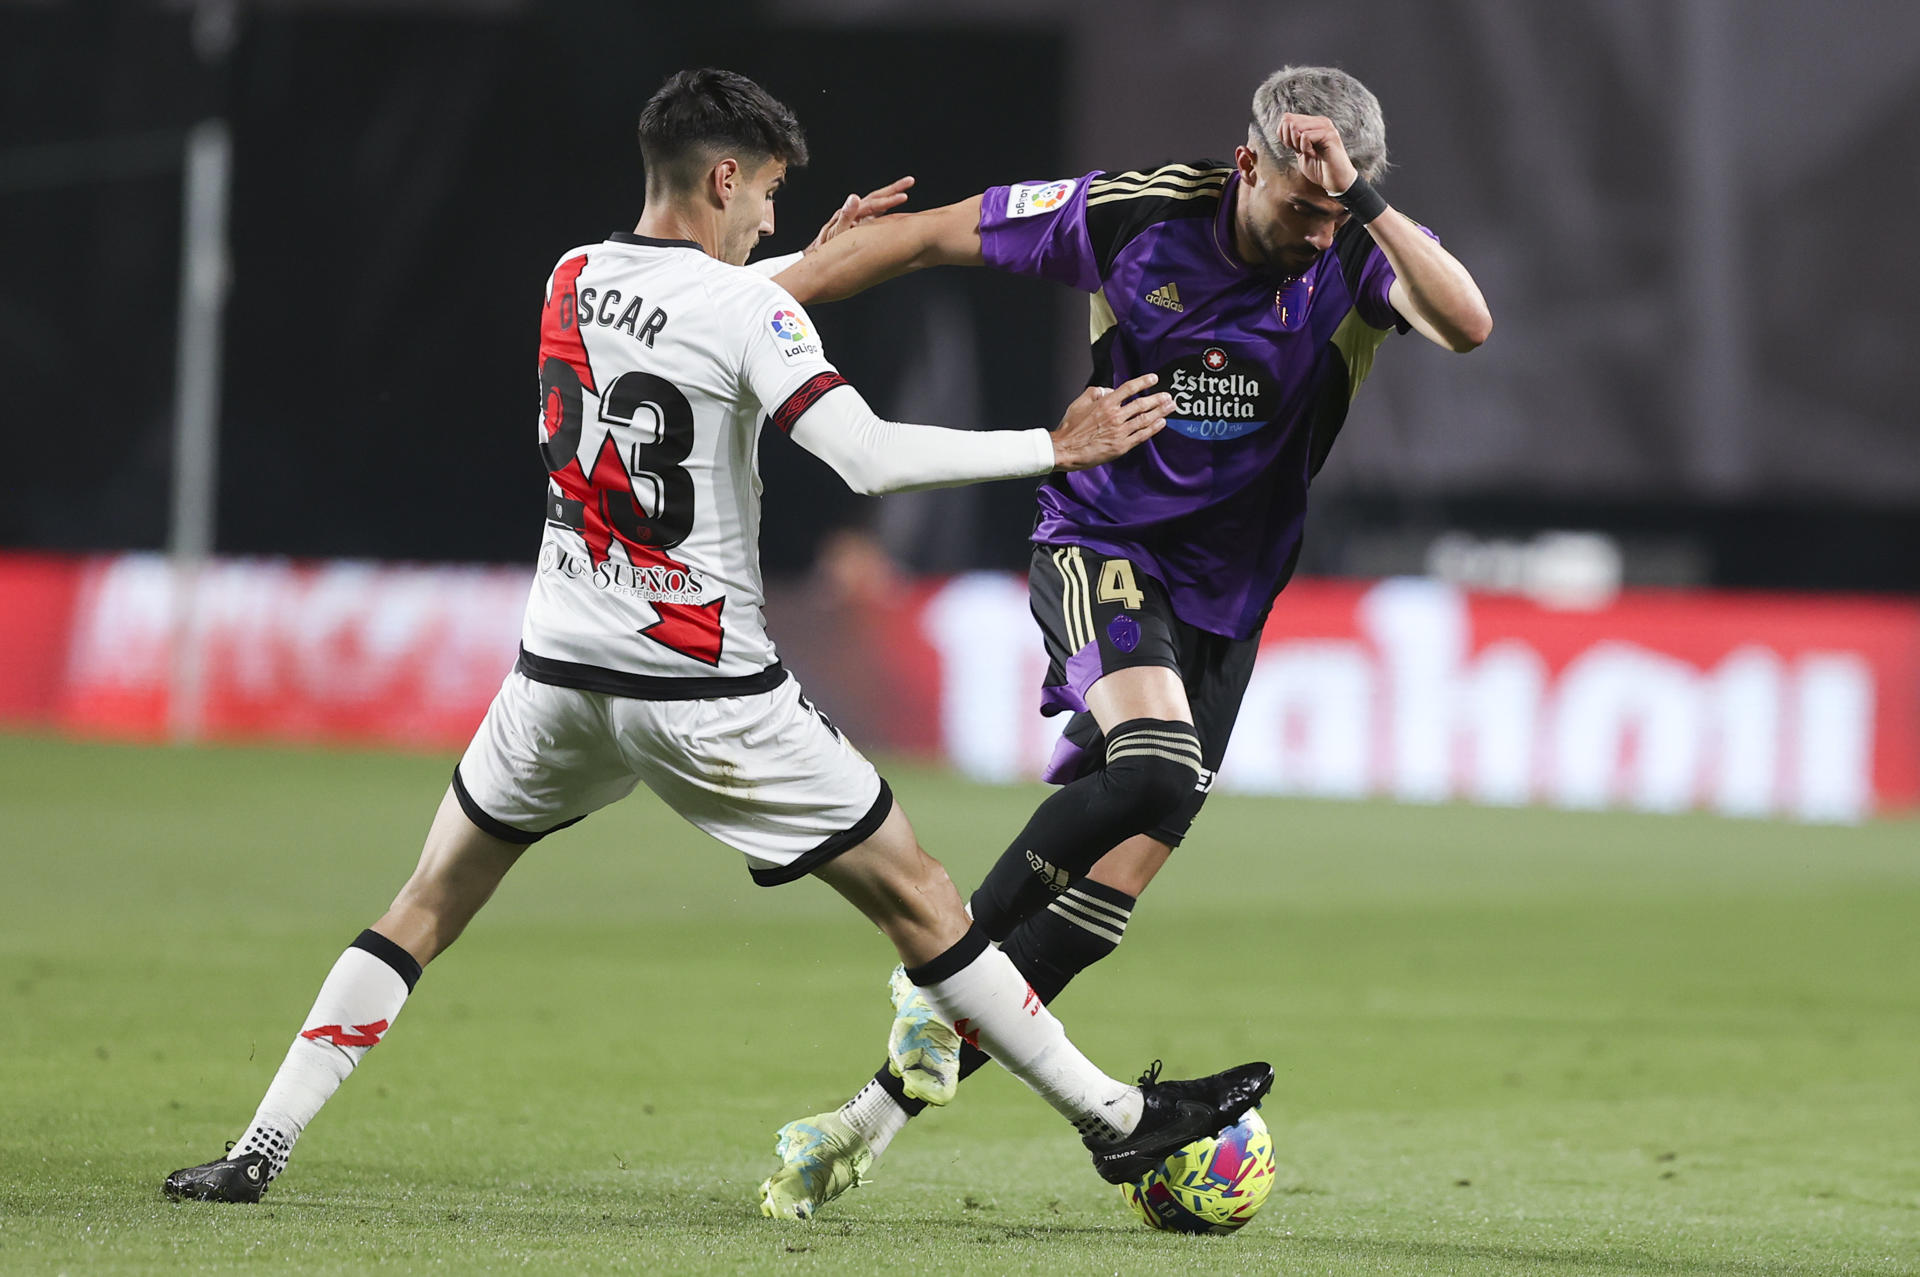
(1689, 218)
(403, 184)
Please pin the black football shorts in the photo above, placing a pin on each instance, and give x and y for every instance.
(1099, 613)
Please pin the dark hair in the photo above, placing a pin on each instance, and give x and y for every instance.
(700, 116)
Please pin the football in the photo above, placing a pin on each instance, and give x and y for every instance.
(1213, 1185)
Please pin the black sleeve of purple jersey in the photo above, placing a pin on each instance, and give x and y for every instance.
(1121, 206)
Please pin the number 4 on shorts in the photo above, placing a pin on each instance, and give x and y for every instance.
(1118, 586)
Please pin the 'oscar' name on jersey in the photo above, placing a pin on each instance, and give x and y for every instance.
(606, 310)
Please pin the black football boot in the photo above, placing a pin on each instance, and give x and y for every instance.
(1175, 1114)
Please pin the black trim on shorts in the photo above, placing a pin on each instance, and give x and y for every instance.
(404, 964)
(846, 840)
(496, 828)
(963, 953)
(645, 687)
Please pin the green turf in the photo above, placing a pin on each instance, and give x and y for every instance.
(1508, 1041)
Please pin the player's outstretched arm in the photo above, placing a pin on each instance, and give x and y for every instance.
(858, 210)
(855, 210)
(877, 456)
(879, 249)
(1431, 289)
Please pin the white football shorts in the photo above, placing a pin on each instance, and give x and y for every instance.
(765, 774)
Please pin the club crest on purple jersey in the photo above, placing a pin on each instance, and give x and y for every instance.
(1124, 631)
(1291, 302)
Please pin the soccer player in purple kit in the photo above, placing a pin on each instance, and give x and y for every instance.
(1259, 291)
(676, 686)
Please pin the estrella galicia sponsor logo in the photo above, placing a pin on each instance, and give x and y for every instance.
(1030, 199)
(1218, 395)
(655, 584)
(792, 338)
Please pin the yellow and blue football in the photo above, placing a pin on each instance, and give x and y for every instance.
(1213, 1185)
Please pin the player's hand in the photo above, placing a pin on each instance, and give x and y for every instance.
(863, 208)
(1322, 156)
(1103, 424)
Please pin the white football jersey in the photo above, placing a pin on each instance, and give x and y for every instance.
(658, 365)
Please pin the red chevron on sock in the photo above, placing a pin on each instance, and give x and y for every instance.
(362, 1035)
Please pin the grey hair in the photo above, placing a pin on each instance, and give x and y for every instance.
(1327, 91)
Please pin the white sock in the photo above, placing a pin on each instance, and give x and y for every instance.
(358, 1002)
(976, 987)
(875, 1116)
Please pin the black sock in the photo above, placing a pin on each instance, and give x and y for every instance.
(1052, 947)
(1152, 766)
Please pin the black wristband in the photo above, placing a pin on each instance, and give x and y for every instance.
(1362, 200)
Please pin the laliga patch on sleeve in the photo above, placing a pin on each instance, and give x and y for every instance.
(1030, 199)
(792, 336)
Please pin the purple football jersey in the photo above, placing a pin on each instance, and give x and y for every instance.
(1261, 373)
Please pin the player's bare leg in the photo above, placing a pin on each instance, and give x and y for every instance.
(923, 1047)
(1144, 691)
(972, 986)
(460, 866)
(1132, 865)
(901, 890)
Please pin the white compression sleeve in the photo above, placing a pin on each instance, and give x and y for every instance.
(875, 455)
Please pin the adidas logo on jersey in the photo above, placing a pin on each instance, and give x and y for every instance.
(1167, 295)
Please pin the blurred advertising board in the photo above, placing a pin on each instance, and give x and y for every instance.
(1745, 703)
(347, 652)
(1748, 704)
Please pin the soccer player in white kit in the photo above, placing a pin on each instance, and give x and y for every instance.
(644, 658)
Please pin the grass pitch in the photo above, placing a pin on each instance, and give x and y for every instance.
(1508, 1041)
